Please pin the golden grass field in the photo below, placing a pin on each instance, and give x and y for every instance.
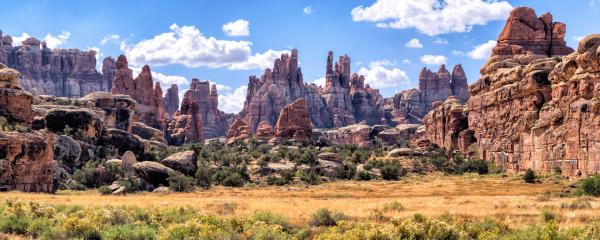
(505, 198)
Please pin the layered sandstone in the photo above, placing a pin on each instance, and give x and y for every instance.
(59, 72)
(446, 125)
(410, 106)
(150, 107)
(186, 125)
(238, 131)
(15, 104)
(294, 122)
(264, 132)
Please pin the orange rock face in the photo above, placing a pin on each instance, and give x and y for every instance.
(239, 130)
(26, 161)
(294, 122)
(446, 123)
(15, 104)
(264, 131)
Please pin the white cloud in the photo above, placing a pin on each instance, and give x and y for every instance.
(380, 77)
(187, 46)
(432, 17)
(319, 81)
(307, 10)
(441, 41)
(458, 53)
(434, 59)
(578, 38)
(406, 61)
(110, 38)
(55, 42)
(383, 63)
(165, 80)
(414, 43)
(258, 60)
(483, 51)
(18, 39)
(237, 28)
(232, 101)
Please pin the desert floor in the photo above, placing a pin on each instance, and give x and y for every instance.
(503, 197)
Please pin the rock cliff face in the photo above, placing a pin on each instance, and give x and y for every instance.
(59, 72)
(171, 100)
(186, 125)
(15, 104)
(530, 108)
(294, 122)
(150, 107)
(446, 125)
(238, 130)
(410, 106)
(344, 99)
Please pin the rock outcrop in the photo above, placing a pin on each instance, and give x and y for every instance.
(184, 162)
(171, 100)
(264, 132)
(186, 124)
(410, 106)
(118, 109)
(26, 161)
(150, 107)
(446, 125)
(15, 104)
(294, 122)
(59, 72)
(238, 130)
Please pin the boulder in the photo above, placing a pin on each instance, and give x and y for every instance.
(118, 109)
(184, 162)
(152, 172)
(332, 169)
(127, 161)
(67, 152)
(86, 123)
(148, 133)
(124, 141)
(328, 156)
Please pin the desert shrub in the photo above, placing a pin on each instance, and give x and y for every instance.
(179, 182)
(325, 217)
(392, 170)
(349, 170)
(393, 207)
(591, 186)
(131, 184)
(529, 176)
(127, 231)
(547, 215)
(309, 178)
(474, 166)
(204, 175)
(92, 175)
(363, 175)
(104, 190)
(231, 177)
(271, 218)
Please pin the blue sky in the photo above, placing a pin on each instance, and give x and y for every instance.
(181, 40)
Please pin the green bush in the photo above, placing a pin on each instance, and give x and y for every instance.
(324, 217)
(392, 170)
(179, 182)
(204, 175)
(529, 176)
(231, 177)
(104, 190)
(548, 216)
(129, 232)
(474, 166)
(309, 178)
(591, 186)
(363, 175)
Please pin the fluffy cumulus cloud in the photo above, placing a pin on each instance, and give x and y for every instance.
(432, 17)
(307, 10)
(232, 100)
(110, 38)
(319, 81)
(483, 51)
(414, 43)
(258, 60)
(237, 28)
(381, 74)
(434, 59)
(187, 46)
(164, 80)
(51, 40)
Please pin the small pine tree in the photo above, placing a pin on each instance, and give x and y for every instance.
(529, 176)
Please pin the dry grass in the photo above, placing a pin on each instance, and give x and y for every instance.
(471, 196)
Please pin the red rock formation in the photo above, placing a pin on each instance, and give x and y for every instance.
(410, 106)
(264, 131)
(150, 108)
(118, 109)
(279, 87)
(445, 123)
(26, 161)
(15, 104)
(294, 122)
(171, 100)
(59, 72)
(238, 130)
(187, 124)
(527, 37)
(530, 110)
